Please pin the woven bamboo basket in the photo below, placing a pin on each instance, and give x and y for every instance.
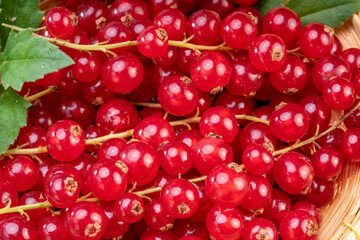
(340, 219)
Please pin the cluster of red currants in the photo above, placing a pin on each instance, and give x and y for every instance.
(109, 163)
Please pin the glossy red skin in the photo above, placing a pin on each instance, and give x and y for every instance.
(107, 180)
(156, 217)
(352, 57)
(21, 172)
(152, 43)
(354, 119)
(154, 131)
(8, 194)
(238, 30)
(332, 139)
(18, 228)
(129, 208)
(156, 234)
(327, 163)
(257, 159)
(33, 197)
(293, 172)
(73, 5)
(92, 132)
(220, 121)
(79, 36)
(210, 152)
(52, 227)
(185, 57)
(308, 207)
(44, 166)
(115, 73)
(178, 192)
(253, 229)
(203, 104)
(69, 85)
(189, 137)
(160, 73)
(110, 149)
(318, 113)
(96, 93)
(339, 94)
(77, 109)
(155, 6)
(328, 67)
(137, 26)
(175, 158)
(266, 90)
(245, 78)
(283, 22)
(92, 16)
(258, 133)
(41, 117)
(356, 82)
(206, 34)
(58, 175)
(116, 115)
(51, 79)
(141, 160)
(168, 59)
(223, 7)
(83, 163)
(289, 122)
(59, 23)
(350, 145)
(279, 206)
(290, 231)
(92, 214)
(291, 77)
(259, 193)
(33, 137)
(204, 206)
(114, 227)
(255, 15)
(87, 67)
(262, 52)
(226, 187)
(263, 112)
(321, 192)
(219, 223)
(71, 143)
(315, 40)
(177, 97)
(136, 8)
(173, 21)
(115, 32)
(187, 228)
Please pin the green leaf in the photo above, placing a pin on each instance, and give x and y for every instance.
(27, 58)
(21, 13)
(329, 12)
(12, 116)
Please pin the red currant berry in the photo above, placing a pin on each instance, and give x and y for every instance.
(129, 208)
(227, 185)
(219, 121)
(254, 14)
(260, 228)
(110, 149)
(156, 234)
(62, 184)
(90, 133)
(258, 133)
(17, 228)
(79, 36)
(153, 42)
(245, 78)
(282, 22)
(154, 131)
(128, 9)
(107, 179)
(173, 22)
(52, 227)
(180, 198)
(263, 112)
(223, 7)
(350, 145)
(65, 140)
(175, 158)
(291, 77)
(155, 6)
(141, 160)
(69, 85)
(189, 137)
(210, 152)
(21, 172)
(293, 172)
(138, 25)
(114, 227)
(327, 163)
(85, 220)
(178, 96)
(33, 137)
(92, 16)
(123, 73)
(87, 67)
(339, 94)
(279, 206)
(259, 193)
(116, 115)
(96, 93)
(316, 40)
(321, 192)
(205, 203)
(168, 59)
(34, 197)
(257, 159)
(41, 117)
(115, 32)
(156, 217)
(205, 26)
(353, 120)
(289, 122)
(185, 57)
(190, 230)
(238, 30)
(352, 57)
(337, 48)
(306, 227)
(53, 78)
(210, 72)
(327, 68)
(225, 223)
(309, 208)
(268, 53)
(60, 22)
(8, 195)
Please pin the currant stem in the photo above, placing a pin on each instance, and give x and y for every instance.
(310, 140)
(40, 94)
